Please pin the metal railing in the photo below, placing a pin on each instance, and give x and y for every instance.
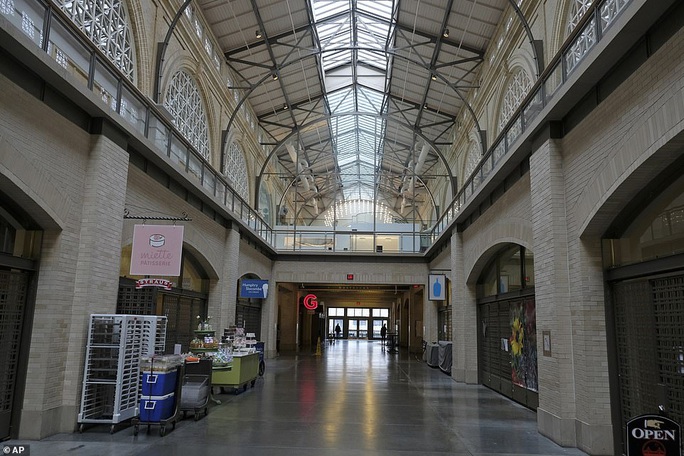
(586, 35)
(53, 32)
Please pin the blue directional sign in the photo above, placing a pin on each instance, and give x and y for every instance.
(254, 288)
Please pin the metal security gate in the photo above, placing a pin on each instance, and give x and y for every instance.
(14, 287)
(248, 316)
(649, 335)
(180, 306)
(507, 348)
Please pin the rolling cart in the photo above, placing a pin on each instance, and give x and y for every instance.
(160, 398)
(111, 373)
(196, 387)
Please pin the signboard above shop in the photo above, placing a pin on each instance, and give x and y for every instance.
(157, 250)
(437, 287)
(253, 288)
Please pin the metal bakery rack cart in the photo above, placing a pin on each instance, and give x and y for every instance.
(111, 374)
(160, 396)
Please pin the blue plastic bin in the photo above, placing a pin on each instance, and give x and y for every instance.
(156, 408)
(158, 383)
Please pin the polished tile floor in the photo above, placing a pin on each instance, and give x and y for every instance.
(354, 399)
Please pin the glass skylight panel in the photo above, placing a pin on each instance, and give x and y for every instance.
(357, 138)
(327, 8)
(380, 8)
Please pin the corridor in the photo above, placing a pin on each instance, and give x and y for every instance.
(354, 399)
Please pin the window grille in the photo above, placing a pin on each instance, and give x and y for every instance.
(184, 102)
(236, 171)
(472, 159)
(105, 22)
(517, 90)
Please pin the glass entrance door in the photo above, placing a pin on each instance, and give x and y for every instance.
(333, 325)
(358, 329)
(377, 326)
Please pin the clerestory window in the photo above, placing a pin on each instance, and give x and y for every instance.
(105, 22)
(236, 171)
(517, 89)
(184, 102)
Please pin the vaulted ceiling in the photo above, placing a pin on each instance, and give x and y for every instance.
(357, 98)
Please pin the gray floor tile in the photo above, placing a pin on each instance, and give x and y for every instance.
(354, 400)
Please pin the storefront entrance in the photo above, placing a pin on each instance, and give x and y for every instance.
(20, 245)
(508, 349)
(14, 285)
(358, 328)
(649, 335)
(507, 329)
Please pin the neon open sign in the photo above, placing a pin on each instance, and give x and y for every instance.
(310, 301)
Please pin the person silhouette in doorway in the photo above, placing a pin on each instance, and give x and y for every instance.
(338, 330)
(383, 333)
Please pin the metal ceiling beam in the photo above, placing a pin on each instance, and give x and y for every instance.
(276, 69)
(535, 44)
(435, 55)
(287, 138)
(278, 38)
(161, 51)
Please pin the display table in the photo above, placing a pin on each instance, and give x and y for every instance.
(243, 370)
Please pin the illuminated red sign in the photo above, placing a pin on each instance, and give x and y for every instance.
(310, 301)
(350, 276)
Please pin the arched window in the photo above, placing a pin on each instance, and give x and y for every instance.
(577, 10)
(236, 171)
(105, 22)
(184, 102)
(472, 159)
(518, 87)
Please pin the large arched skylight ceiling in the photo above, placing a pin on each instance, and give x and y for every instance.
(105, 22)
(236, 171)
(184, 102)
(356, 41)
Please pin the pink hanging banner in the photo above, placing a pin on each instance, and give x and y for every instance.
(157, 250)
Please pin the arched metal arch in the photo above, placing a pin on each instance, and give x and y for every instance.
(319, 52)
(345, 114)
(534, 44)
(432, 198)
(161, 50)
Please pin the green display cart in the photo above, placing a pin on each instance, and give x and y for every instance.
(242, 372)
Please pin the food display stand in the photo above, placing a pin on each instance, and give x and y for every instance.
(243, 371)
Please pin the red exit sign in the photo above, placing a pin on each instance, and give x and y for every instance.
(350, 276)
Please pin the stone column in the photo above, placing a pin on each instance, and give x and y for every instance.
(269, 319)
(464, 318)
(226, 288)
(556, 412)
(90, 256)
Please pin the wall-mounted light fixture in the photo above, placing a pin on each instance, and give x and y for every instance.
(258, 34)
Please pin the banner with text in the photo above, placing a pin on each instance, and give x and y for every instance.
(253, 288)
(157, 250)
